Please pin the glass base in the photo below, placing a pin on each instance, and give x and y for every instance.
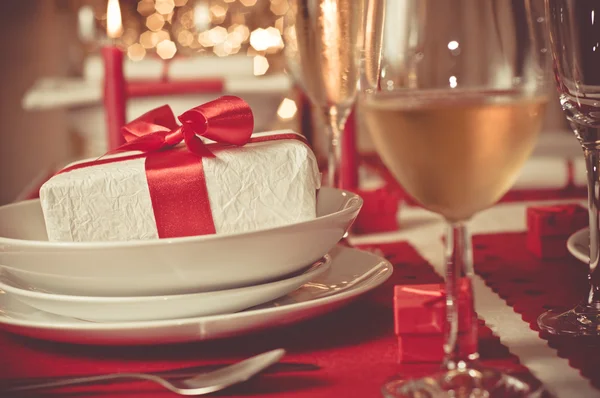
(472, 382)
(580, 321)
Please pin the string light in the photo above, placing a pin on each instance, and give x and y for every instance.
(164, 6)
(261, 65)
(145, 7)
(148, 39)
(136, 52)
(155, 22)
(166, 49)
(287, 109)
(279, 7)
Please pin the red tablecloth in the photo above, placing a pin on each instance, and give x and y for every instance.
(354, 347)
(532, 286)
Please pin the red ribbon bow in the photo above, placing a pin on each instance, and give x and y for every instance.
(226, 120)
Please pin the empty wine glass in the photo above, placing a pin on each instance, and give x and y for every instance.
(575, 44)
(454, 94)
(322, 44)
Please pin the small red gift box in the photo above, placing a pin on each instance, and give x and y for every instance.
(548, 247)
(548, 228)
(559, 220)
(419, 316)
(379, 211)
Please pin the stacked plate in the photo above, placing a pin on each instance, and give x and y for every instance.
(180, 289)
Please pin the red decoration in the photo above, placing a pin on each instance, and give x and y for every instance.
(143, 88)
(549, 227)
(175, 175)
(559, 220)
(349, 166)
(114, 95)
(549, 247)
(419, 317)
(379, 211)
(419, 348)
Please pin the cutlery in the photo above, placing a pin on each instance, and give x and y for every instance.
(197, 384)
(184, 372)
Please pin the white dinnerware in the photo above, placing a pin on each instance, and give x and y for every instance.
(578, 245)
(351, 274)
(168, 266)
(151, 308)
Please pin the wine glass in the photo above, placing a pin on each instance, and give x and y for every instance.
(454, 106)
(575, 44)
(322, 48)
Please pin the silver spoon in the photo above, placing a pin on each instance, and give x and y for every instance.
(204, 383)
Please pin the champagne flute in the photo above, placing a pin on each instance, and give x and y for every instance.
(454, 108)
(322, 44)
(575, 44)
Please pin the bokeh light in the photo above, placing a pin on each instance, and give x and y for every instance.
(166, 49)
(136, 52)
(155, 22)
(164, 6)
(261, 65)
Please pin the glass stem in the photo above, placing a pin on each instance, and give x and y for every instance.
(459, 348)
(592, 164)
(336, 119)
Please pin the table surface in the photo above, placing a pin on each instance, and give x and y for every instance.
(418, 227)
(357, 341)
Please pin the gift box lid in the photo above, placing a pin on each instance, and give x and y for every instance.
(557, 220)
(422, 308)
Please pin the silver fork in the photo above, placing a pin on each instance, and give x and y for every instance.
(204, 383)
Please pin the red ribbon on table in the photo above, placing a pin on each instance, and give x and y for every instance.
(176, 178)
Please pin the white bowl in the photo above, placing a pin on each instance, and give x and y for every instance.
(351, 274)
(152, 308)
(578, 245)
(169, 266)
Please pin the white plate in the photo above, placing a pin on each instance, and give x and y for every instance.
(150, 308)
(578, 245)
(352, 273)
(169, 266)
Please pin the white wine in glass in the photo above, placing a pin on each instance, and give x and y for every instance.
(322, 45)
(455, 153)
(454, 112)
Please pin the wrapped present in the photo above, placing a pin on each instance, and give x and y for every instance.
(379, 211)
(549, 227)
(558, 220)
(547, 247)
(419, 317)
(167, 181)
(419, 348)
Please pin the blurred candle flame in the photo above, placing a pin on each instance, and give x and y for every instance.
(114, 25)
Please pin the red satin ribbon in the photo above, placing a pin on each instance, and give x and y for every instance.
(176, 178)
(226, 120)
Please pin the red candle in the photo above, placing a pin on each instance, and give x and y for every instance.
(350, 163)
(114, 79)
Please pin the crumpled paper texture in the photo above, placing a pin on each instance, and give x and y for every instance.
(258, 186)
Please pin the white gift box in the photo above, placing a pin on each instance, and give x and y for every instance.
(257, 186)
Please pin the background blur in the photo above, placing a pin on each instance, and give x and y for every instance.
(36, 38)
(54, 38)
